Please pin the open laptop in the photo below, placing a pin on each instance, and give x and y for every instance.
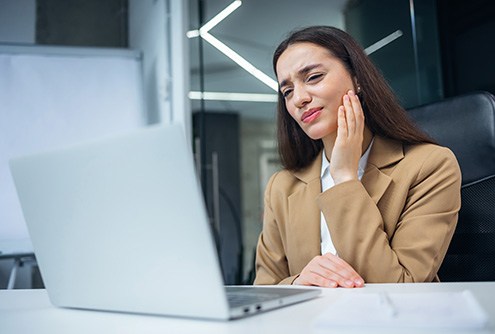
(119, 224)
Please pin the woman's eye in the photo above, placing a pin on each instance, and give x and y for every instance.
(315, 76)
(286, 92)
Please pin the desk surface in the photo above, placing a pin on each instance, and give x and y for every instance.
(29, 311)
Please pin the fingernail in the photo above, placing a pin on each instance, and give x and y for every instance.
(349, 283)
(359, 282)
(351, 93)
(346, 97)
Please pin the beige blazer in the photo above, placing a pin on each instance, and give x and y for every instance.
(394, 225)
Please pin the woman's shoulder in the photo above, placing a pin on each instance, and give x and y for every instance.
(282, 179)
(428, 151)
(388, 152)
(430, 158)
(286, 182)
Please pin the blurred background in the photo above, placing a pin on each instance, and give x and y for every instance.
(220, 84)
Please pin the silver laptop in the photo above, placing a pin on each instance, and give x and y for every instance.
(119, 224)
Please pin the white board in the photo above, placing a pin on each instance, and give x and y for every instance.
(54, 96)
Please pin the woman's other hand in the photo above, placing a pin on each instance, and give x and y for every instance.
(348, 147)
(331, 271)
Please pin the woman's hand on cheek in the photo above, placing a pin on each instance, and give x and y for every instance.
(331, 271)
(348, 146)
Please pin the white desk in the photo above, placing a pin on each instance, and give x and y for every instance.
(29, 311)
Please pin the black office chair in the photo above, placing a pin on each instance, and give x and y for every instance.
(466, 124)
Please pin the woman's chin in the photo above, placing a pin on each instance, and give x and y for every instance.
(315, 137)
(316, 134)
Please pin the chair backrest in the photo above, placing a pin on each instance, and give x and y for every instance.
(466, 125)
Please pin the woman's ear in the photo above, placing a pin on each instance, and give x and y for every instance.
(358, 87)
(359, 93)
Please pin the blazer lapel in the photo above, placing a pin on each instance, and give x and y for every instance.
(384, 153)
(304, 217)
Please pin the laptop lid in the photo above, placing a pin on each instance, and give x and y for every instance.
(119, 224)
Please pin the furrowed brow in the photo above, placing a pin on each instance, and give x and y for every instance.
(306, 69)
(302, 72)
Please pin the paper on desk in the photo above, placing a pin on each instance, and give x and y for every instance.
(447, 310)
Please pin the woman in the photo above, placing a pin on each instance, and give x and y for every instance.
(364, 196)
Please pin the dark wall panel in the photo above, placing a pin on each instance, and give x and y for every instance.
(82, 22)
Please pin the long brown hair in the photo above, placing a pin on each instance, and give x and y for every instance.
(383, 114)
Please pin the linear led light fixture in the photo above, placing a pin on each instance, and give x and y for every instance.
(203, 32)
(384, 41)
(239, 97)
(239, 60)
(215, 20)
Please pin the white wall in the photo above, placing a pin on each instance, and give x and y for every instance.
(17, 21)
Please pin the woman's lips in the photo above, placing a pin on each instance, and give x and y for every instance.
(311, 115)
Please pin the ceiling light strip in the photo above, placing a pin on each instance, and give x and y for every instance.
(220, 16)
(192, 33)
(240, 61)
(239, 97)
(215, 20)
(384, 41)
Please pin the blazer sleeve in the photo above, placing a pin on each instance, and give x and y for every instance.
(415, 249)
(271, 262)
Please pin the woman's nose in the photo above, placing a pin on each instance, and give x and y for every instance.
(301, 97)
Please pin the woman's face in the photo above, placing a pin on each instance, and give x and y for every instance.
(313, 83)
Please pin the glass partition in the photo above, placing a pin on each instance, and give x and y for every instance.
(233, 94)
(403, 40)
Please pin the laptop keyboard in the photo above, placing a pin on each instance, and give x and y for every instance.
(240, 298)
